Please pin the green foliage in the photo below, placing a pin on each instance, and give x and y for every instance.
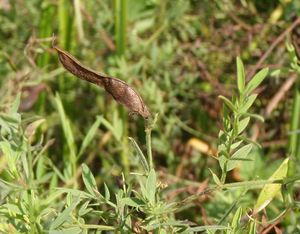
(66, 162)
(231, 148)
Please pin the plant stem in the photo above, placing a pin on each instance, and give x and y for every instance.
(223, 176)
(232, 137)
(148, 129)
(120, 14)
(124, 154)
(148, 145)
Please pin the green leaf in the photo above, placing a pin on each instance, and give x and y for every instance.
(83, 209)
(89, 180)
(269, 191)
(240, 75)
(239, 154)
(25, 165)
(107, 193)
(242, 124)
(228, 103)
(140, 155)
(151, 187)
(16, 104)
(31, 128)
(215, 177)
(66, 128)
(65, 215)
(133, 202)
(252, 227)
(72, 230)
(235, 223)
(208, 227)
(114, 130)
(247, 140)
(248, 102)
(255, 116)
(14, 118)
(236, 144)
(256, 80)
(222, 160)
(11, 158)
(12, 209)
(90, 135)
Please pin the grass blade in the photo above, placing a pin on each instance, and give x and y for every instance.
(67, 132)
(141, 155)
(90, 135)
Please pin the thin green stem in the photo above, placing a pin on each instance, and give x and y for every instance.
(223, 176)
(120, 14)
(149, 147)
(232, 137)
(148, 129)
(124, 155)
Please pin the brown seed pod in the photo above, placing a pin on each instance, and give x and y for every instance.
(120, 91)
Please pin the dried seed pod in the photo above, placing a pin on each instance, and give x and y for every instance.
(120, 91)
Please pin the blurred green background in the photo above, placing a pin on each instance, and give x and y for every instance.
(178, 54)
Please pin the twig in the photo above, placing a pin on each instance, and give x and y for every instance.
(239, 21)
(280, 94)
(273, 45)
(273, 103)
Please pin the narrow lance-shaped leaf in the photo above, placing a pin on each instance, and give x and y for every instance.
(228, 103)
(89, 180)
(256, 80)
(235, 223)
(65, 214)
(140, 155)
(242, 124)
(151, 186)
(240, 74)
(248, 103)
(120, 91)
(215, 177)
(240, 154)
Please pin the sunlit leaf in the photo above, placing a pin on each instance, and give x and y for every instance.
(269, 191)
(242, 153)
(65, 215)
(89, 180)
(228, 103)
(242, 124)
(151, 186)
(240, 75)
(256, 80)
(248, 103)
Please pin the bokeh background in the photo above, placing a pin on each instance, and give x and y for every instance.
(179, 55)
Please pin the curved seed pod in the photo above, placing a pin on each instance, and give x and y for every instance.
(120, 91)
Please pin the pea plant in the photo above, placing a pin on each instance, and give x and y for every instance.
(233, 146)
(33, 200)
